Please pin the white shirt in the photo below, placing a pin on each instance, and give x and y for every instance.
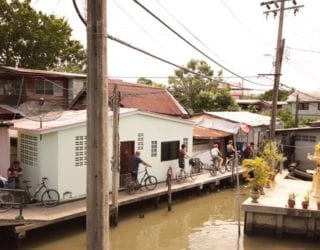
(215, 152)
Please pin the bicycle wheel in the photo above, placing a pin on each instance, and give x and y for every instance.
(21, 199)
(222, 168)
(130, 186)
(150, 182)
(193, 174)
(50, 198)
(6, 201)
(180, 177)
(212, 170)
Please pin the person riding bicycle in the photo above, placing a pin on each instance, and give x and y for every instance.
(216, 154)
(182, 155)
(136, 160)
(14, 173)
(230, 149)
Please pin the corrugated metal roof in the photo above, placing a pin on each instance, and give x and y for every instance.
(306, 96)
(139, 96)
(73, 118)
(23, 71)
(248, 118)
(207, 133)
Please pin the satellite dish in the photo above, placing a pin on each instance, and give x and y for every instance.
(41, 111)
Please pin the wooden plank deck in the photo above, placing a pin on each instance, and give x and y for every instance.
(36, 216)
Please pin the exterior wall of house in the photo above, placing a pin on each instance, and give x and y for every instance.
(155, 129)
(61, 155)
(74, 86)
(5, 150)
(38, 158)
(72, 161)
(312, 112)
(304, 144)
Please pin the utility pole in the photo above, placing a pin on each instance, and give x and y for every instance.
(296, 117)
(116, 155)
(97, 221)
(279, 53)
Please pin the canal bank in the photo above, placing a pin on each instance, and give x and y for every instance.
(37, 216)
(271, 215)
(209, 226)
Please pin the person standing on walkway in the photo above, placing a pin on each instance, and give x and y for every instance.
(182, 155)
(14, 173)
(135, 162)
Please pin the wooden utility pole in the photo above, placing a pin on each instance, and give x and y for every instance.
(116, 155)
(296, 117)
(97, 124)
(279, 54)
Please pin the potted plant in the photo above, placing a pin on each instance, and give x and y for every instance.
(305, 202)
(259, 169)
(273, 157)
(292, 199)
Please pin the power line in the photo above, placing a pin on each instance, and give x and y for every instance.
(186, 28)
(144, 31)
(243, 25)
(150, 54)
(189, 43)
(304, 50)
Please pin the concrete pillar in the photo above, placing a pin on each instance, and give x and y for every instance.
(5, 148)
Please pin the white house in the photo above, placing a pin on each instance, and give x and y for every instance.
(298, 143)
(58, 149)
(308, 104)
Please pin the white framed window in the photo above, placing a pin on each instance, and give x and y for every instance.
(154, 148)
(80, 150)
(29, 150)
(140, 141)
(185, 142)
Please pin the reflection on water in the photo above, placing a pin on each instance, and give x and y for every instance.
(205, 222)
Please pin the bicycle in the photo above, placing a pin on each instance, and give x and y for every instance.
(148, 181)
(6, 200)
(216, 166)
(182, 176)
(230, 162)
(49, 197)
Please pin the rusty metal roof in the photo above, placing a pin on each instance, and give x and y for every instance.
(23, 71)
(139, 96)
(208, 133)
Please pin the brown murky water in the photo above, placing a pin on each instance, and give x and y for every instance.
(208, 221)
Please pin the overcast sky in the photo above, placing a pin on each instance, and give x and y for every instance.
(233, 33)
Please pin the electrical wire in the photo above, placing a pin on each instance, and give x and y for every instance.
(190, 44)
(148, 53)
(243, 25)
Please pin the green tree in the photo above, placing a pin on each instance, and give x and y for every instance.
(199, 91)
(149, 82)
(32, 39)
(282, 95)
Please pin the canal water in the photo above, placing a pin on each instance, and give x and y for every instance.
(207, 221)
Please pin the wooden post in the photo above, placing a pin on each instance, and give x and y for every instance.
(169, 177)
(116, 156)
(97, 220)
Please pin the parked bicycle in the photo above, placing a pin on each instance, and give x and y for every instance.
(48, 197)
(182, 176)
(216, 166)
(148, 181)
(6, 200)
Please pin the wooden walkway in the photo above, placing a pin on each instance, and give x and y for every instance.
(35, 216)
